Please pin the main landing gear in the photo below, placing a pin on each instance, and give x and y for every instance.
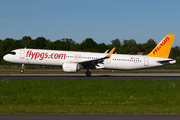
(22, 68)
(88, 73)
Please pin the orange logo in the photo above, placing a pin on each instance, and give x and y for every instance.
(161, 45)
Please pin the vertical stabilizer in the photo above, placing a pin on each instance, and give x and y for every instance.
(163, 48)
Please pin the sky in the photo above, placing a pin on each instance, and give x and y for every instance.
(101, 20)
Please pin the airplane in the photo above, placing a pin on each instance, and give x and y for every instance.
(72, 61)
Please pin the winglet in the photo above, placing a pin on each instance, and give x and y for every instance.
(163, 48)
(110, 53)
(106, 51)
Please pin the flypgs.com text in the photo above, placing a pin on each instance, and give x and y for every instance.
(43, 55)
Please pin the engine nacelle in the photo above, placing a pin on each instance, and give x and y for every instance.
(70, 67)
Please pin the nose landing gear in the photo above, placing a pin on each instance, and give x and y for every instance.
(22, 68)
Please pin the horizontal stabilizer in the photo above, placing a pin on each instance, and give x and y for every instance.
(166, 62)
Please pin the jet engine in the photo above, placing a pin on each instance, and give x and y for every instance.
(70, 67)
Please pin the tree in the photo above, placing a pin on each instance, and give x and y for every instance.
(172, 53)
(40, 43)
(116, 43)
(48, 45)
(67, 44)
(18, 44)
(26, 40)
(149, 46)
(1, 48)
(129, 47)
(175, 52)
(9, 44)
(141, 47)
(102, 47)
(88, 45)
(57, 45)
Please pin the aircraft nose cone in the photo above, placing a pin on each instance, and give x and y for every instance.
(5, 58)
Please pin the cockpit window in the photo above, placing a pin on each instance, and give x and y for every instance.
(12, 53)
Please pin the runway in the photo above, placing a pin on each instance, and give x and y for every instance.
(89, 116)
(93, 77)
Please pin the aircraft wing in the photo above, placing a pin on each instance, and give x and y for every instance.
(91, 64)
(106, 51)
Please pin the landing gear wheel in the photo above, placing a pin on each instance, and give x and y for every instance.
(22, 67)
(21, 71)
(88, 73)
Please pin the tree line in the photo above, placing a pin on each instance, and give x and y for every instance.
(88, 45)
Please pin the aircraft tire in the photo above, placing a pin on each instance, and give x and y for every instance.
(88, 73)
(21, 71)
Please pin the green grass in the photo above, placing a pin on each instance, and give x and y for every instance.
(90, 96)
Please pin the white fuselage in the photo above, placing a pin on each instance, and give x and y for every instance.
(57, 57)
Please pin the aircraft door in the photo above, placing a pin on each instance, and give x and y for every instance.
(22, 54)
(146, 61)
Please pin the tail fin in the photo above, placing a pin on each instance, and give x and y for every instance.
(163, 48)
